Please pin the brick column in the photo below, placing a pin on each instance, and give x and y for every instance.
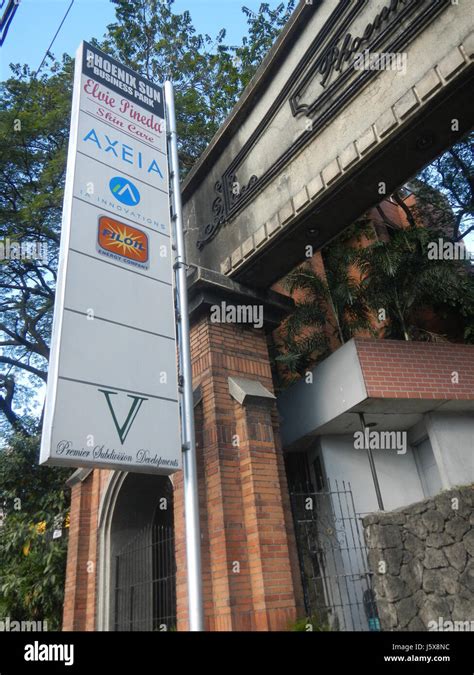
(264, 490)
(250, 571)
(81, 573)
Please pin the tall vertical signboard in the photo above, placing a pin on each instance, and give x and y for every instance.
(112, 396)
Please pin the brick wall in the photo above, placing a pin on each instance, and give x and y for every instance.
(397, 369)
(81, 569)
(250, 571)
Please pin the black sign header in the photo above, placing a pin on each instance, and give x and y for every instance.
(121, 79)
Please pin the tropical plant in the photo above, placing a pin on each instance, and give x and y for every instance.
(302, 339)
(35, 504)
(329, 303)
(399, 280)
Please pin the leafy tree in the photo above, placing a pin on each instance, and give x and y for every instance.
(34, 129)
(444, 194)
(35, 502)
(445, 189)
(208, 75)
(264, 27)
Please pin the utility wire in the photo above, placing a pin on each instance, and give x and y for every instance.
(54, 38)
(35, 74)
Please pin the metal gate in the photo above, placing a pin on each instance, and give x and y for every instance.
(337, 583)
(145, 582)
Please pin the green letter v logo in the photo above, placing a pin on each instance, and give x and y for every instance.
(132, 413)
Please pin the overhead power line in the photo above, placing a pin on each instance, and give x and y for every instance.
(35, 74)
(47, 53)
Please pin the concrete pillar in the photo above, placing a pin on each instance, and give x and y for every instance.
(451, 436)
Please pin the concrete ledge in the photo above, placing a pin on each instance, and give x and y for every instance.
(393, 382)
(244, 391)
(197, 396)
(207, 288)
(79, 476)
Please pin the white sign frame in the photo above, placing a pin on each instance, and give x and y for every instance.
(140, 431)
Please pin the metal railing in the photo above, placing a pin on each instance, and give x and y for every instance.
(337, 582)
(145, 582)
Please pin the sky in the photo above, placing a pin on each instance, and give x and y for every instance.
(36, 22)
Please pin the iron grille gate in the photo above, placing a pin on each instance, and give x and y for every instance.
(145, 578)
(337, 583)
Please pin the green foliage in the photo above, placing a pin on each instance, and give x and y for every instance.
(264, 27)
(400, 278)
(208, 74)
(35, 501)
(348, 304)
(303, 338)
(34, 129)
(333, 301)
(445, 190)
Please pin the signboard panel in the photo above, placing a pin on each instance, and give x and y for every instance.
(119, 196)
(121, 242)
(120, 114)
(127, 309)
(112, 396)
(129, 157)
(125, 356)
(140, 419)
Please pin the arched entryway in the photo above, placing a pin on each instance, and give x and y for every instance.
(136, 556)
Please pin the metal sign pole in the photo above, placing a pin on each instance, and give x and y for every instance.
(191, 498)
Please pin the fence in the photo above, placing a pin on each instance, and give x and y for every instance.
(337, 583)
(145, 578)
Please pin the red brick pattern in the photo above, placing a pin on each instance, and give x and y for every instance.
(420, 370)
(81, 569)
(250, 571)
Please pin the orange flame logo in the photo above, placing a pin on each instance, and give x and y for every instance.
(123, 240)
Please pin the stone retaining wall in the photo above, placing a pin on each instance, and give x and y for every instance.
(422, 557)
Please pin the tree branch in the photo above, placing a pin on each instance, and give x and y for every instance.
(405, 209)
(6, 406)
(25, 366)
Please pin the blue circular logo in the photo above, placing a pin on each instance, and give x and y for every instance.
(124, 190)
